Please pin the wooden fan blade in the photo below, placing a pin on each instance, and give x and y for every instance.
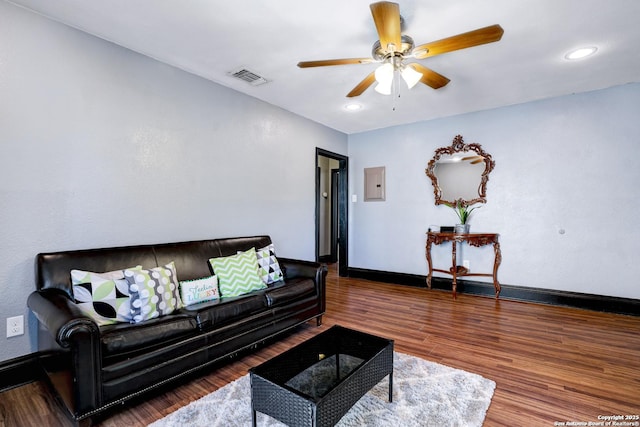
(386, 16)
(477, 37)
(326, 62)
(474, 159)
(363, 85)
(430, 77)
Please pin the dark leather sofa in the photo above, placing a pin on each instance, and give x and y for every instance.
(93, 368)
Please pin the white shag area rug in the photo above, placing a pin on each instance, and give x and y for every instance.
(424, 394)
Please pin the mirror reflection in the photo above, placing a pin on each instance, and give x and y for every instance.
(460, 172)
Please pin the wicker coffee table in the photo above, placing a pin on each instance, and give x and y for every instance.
(315, 383)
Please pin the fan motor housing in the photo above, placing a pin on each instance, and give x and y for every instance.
(380, 54)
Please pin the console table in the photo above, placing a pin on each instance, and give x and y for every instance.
(473, 239)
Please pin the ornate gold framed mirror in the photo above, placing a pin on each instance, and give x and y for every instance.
(460, 173)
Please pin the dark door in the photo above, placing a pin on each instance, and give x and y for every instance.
(338, 209)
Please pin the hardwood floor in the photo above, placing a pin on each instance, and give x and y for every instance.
(550, 363)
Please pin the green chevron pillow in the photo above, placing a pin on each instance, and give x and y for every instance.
(237, 274)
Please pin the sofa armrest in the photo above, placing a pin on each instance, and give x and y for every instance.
(71, 329)
(312, 270)
(298, 268)
(60, 316)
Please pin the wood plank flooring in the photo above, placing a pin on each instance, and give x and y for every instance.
(551, 364)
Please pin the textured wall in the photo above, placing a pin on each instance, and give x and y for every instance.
(100, 146)
(568, 163)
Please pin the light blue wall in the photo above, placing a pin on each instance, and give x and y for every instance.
(100, 146)
(569, 163)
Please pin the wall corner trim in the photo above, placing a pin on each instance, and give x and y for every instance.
(19, 371)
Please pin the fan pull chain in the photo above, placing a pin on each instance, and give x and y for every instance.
(396, 89)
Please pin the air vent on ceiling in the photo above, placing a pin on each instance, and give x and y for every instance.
(248, 76)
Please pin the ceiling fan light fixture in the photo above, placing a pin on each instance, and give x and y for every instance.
(410, 76)
(384, 89)
(384, 77)
(384, 73)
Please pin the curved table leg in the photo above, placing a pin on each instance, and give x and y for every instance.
(496, 263)
(454, 268)
(430, 274)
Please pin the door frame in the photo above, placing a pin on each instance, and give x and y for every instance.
(335, 179)
(342, 209)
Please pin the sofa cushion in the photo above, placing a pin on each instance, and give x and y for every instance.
(123, 338)
(214, 313)
(237, 274)
(282, 293)
(154, 292)
(104, 297)
(199, 290)
(268, 266)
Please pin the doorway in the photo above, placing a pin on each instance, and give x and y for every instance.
(331, 209)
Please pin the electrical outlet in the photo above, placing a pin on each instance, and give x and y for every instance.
(15, 326)
(466, 264)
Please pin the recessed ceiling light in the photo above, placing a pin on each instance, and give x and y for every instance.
(580, 53)
(353, 107)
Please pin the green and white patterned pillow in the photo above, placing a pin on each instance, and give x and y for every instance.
(104, 297)
(268, 266)
(237, 274)
(154, 292)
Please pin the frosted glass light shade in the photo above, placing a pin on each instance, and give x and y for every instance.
(384, 89)
(411, 76)
(384, 77)
(384, 73)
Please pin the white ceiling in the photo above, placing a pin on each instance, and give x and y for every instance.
(211, 38)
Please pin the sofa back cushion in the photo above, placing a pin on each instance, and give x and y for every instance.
(53, 270)
(191, 258)
(241, 244)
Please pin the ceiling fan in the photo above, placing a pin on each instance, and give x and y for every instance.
(393, 49)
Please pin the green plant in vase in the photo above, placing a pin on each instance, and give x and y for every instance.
(464, 212)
